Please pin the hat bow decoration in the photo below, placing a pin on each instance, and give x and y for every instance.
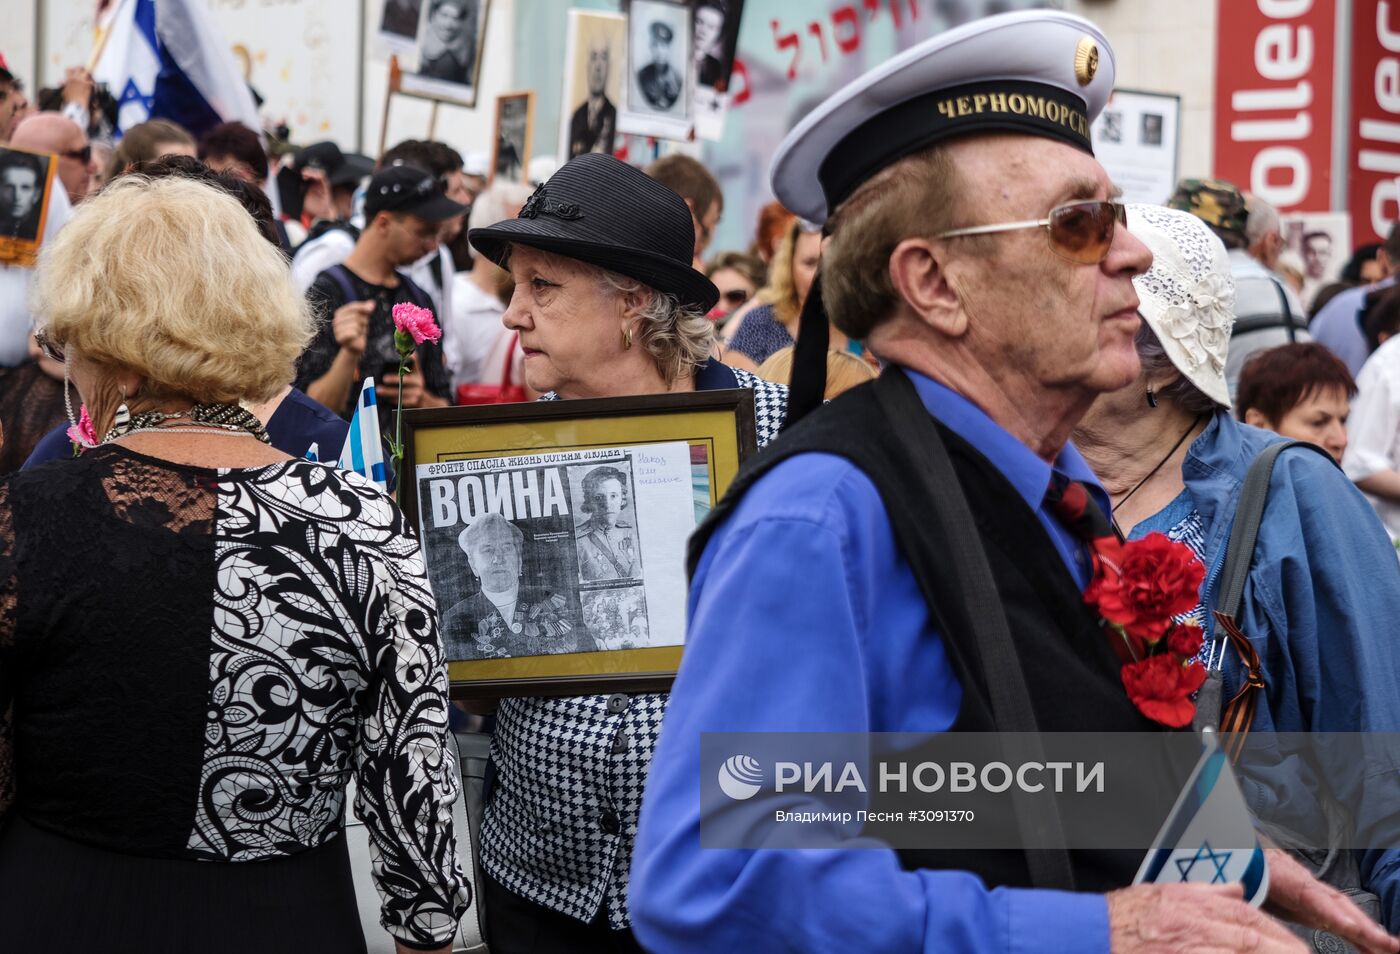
(540, 203)
(1202, 327)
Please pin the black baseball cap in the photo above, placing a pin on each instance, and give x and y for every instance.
(341, 168)
(410, 190)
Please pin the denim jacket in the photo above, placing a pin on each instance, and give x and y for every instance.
(1322, 608)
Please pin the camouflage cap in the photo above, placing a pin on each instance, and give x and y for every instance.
(1215, 202)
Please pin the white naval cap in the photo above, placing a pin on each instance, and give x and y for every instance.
(1039, 72)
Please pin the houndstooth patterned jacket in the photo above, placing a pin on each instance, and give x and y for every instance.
(562, 819)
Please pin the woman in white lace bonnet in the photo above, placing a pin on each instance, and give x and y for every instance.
(1321, 595)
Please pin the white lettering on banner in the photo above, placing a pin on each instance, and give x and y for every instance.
(1273, 159)
(1384, 191)
(1276, 131)
(1284, 9)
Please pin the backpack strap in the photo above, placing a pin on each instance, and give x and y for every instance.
(1234, 717)
(341, 276)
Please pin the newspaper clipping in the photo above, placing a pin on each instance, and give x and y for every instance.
(568, 552)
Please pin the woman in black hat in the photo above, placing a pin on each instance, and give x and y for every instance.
(606, 304)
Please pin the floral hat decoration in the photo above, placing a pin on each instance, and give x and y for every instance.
(1188, 296)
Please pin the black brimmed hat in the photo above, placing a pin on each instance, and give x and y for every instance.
(341, 168)
(1036, 73)
(602, 211)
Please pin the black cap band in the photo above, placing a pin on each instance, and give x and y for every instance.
(995, 106)
(807, 387)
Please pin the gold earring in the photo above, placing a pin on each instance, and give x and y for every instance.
(627, 338)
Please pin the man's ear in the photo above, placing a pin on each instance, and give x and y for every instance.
(919, 278)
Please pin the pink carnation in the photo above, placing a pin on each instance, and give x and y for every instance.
(416, 322)
(82, 433)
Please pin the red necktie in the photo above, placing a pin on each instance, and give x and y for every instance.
(1071, 502)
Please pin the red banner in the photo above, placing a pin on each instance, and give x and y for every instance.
(1273, 96)
(1373, 196)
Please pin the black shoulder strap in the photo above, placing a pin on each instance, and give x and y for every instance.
(965, 588)
(1249, 512)
(341, 276)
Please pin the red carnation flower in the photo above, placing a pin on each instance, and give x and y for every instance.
(1186, 640)
(1161, 687)
(1140, 585)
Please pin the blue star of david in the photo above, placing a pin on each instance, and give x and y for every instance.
(1204, 854)
(131, 94)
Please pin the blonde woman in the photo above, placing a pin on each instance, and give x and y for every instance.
(843, 371)
(770, 324)
(259, 628)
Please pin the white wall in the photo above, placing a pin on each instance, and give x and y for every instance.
(1167, 46)
(17, 40)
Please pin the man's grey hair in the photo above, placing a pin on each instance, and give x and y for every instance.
(1262, 219)
(678, 337)
(479, 527)
(494, 203)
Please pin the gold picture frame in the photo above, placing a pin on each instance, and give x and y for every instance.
(554, 533)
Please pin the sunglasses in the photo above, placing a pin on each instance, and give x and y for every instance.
(735, 296)
(50, 348)
(1079, 232)
(83, 155)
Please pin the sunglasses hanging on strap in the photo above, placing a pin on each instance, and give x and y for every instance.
(1233, 717)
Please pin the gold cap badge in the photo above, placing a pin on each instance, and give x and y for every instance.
(1086, 61)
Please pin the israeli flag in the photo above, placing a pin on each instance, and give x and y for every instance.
(313, 453)
(1209, 836)
(165, 59)
(364, 451)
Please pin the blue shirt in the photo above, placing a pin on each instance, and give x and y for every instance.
(1338, 326)
(836, 636)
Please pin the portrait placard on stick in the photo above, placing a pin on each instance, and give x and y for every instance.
(451, 37)
(26, 179)
(515, 126)
(660, 96)
(595, 57)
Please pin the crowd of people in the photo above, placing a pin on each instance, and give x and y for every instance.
(970, 299)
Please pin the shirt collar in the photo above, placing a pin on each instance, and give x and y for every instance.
(714, 376)
(1020, 465)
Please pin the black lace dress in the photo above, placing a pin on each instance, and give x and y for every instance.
(193, 663)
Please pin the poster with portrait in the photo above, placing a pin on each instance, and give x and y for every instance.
(515, 121)
(716, 38)
(398, 25)
(1135, 138)
(1319, 245)
(451, 37)
(595, 55)
(559, 553)
(660, 94)
(26, 179)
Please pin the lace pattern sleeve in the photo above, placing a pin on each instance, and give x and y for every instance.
(408, 777)
(8, 588)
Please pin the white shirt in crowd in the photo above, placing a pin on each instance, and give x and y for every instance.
(475, 343)
(15, 321)
(1373, 430)
(1259, 293)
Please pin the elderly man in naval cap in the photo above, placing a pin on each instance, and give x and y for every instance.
(912, 557)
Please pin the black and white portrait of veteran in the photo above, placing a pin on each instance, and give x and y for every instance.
(506, 616)
(710, 67)
(594, 124)
(447, 50)
(659, 81)
(607, 540)
(22, 176)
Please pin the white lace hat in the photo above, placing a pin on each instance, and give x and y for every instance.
(1188, 296)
